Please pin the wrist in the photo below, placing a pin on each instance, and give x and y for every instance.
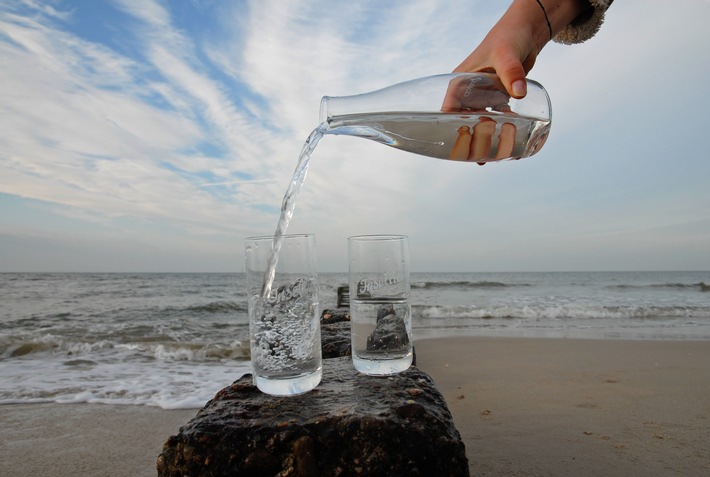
(561, 13)
(529, 16)
(546, 18)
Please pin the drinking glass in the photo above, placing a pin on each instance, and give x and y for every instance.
(284, 321)
(380, 310)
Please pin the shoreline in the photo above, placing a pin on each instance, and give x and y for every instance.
(524, 407)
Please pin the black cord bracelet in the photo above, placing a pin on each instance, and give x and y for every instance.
(546, 19)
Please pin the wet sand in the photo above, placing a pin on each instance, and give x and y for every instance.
(561, 407)
(524, 407)
(84, 440)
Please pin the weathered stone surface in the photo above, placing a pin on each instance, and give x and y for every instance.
(390, 331)
(350, 425)
(337, 315)
(335, 339)
(335, 335)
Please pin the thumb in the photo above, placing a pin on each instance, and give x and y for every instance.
(512, 74)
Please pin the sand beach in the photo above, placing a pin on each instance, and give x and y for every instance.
(570, 407)
(524, 407)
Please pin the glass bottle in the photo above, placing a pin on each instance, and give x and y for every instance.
(459, 116)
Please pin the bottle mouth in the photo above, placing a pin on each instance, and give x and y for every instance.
(324, 114)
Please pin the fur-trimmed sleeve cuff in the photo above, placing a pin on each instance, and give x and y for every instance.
(586, 25)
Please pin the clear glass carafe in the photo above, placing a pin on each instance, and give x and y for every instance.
(459, 116)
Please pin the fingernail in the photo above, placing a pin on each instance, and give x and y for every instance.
(520, 89)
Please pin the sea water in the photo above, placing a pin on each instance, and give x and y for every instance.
(285, 333)
(439, 135)
(390, 357)
(288, 204)
(285, 338)
(174, 340)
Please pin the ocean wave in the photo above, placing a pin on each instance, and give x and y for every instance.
(463, 284)
(193, 351)
(165, 385)
(561, 312)
(701, 286)
(19, 347)
(210, 308)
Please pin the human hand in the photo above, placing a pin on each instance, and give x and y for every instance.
(509, 50)
(477, 144)
(477, 94)
(513, 44)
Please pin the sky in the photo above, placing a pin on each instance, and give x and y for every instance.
(154, 136)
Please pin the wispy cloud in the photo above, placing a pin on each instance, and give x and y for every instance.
(85, 130)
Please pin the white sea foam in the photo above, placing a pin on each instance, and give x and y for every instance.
(172, 385)
(562, 312)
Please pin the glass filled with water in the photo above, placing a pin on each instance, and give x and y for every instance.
(284, 321)
(459, 116)
(380, 309)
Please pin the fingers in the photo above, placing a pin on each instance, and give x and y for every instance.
(475, 93)
(506, 141)
(510, 71)
(452, 101)
(477, 145)
(462, 145)
(480, 149)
